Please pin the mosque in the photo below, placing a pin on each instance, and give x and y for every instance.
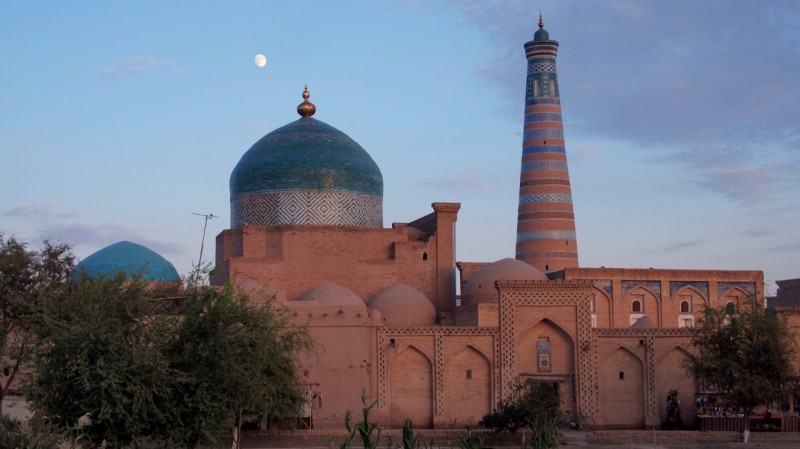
(437, 340)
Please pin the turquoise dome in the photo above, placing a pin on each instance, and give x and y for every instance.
(306, 155)
(306, 173)
(541, 35)
(130, 258)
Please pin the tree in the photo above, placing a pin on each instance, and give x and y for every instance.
(24, 275)
(234, 358)
(100, 355)
(183, 380)
(533, 405)
(746, 353)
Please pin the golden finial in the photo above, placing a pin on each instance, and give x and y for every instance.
(306, 108)
(541, 22)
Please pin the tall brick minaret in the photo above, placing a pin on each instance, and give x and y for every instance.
(545, 222)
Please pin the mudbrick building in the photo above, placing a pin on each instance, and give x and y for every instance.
(437, 340)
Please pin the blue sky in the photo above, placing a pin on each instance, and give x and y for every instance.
(118, 120)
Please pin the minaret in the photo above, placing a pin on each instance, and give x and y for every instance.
(545, 222)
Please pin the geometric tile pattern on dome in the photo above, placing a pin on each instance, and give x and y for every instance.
(544, 177)
(307, 208)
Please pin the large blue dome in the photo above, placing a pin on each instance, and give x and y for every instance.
(306, 172)
(130, 258)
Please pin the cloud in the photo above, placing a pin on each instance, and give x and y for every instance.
(38, 211)
(722, 76)
(133, 69)
(680, 246)
(105, 234)
(469, 180)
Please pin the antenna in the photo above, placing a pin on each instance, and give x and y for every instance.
(202, 244)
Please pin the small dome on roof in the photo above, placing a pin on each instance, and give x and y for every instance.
(482, 282)
(403, 305)
(332, 294)
(130, 258)
(644, 322)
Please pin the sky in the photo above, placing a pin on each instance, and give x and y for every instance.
(121, 120)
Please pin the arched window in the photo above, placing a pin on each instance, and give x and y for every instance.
(684, 306)
(636, 306)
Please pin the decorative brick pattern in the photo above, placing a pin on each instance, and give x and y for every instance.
(543, 150)
(308, 208)
(606, 286)
(545, 235)
(439, 375)
(724, 287)
(652, 402)
(542, 67)
(439, 334)
(701, 287)
(543, 117)
(546, 198)
(516, 294)
(653, 286)
(544, 166)
(543, 133)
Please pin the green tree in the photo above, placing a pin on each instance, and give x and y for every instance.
(533, 405)
(746, 353)
(234, 358)
(101, 352)
(24, 275)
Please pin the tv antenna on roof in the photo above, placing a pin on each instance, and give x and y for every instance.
(202, 244)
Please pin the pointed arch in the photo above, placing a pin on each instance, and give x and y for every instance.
(602, 308)
(672, 373)
(530, 355)
(650, 306)
(685, 306)
(411, 388)
(737, 296)
(621, 387)
(468, 381)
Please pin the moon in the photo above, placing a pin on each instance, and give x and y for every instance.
(261, 60)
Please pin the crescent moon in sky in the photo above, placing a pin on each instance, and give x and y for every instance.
(261, 60)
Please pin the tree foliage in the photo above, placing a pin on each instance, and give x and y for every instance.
(234, 358)
(746, 353)
(99, 353)
(532, 405)
(182, 380)
(24, 275)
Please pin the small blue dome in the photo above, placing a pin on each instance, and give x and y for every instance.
(541, 35)
(130, 258)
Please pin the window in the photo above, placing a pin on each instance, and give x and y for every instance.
(622, 375)
(636, 306)
(469, 374)
(543, 359)
(685, 307)
(536, 88)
